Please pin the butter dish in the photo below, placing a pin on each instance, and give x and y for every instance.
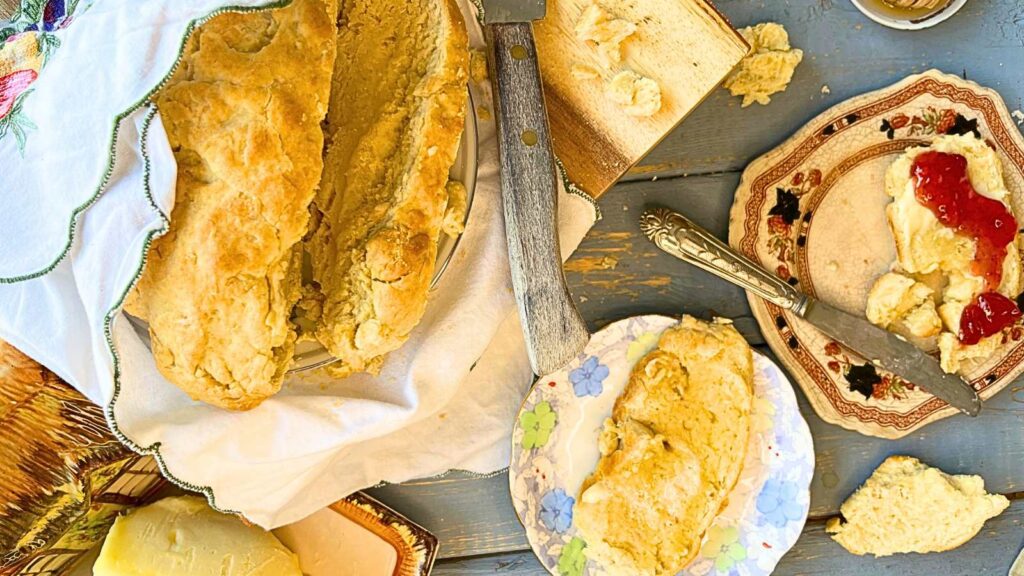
(356, 536)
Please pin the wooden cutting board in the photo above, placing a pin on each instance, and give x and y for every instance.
(686, 46)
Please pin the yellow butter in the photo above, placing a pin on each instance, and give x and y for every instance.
(769, 66)
(183, 536)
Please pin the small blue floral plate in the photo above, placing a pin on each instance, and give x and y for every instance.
(555, 449)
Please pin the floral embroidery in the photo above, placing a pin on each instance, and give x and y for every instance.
(13, 90)
(777, 501)
(643, 344)
(865, 378)
(556, 510)
(537, 425)
(588, 379)
(27, 41)
(38, 16)
(572, 560)
(930, 121)
(724, 548)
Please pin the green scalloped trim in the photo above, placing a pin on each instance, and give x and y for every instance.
(572, 188)
(108, 319)
(105, 179)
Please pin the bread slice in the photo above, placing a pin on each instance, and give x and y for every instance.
(243, 116)
(671, 453)
(907, 506)
(398, 104)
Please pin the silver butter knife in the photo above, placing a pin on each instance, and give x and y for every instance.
(677, 235)
(555, 333)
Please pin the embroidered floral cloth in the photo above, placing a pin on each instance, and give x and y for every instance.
(87, 179)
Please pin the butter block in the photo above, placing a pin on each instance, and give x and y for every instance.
(182, 536)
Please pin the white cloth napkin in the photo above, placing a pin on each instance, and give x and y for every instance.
(447, 399)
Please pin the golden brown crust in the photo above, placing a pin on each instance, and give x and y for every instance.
(398, 104)
(679, 432)
(243, 116)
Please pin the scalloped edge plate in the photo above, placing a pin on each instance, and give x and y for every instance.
(767, 509)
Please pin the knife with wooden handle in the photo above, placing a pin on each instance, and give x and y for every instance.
(555, 333)
(678, 236)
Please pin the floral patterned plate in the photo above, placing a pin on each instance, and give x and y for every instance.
(555, 449)
(813, 210)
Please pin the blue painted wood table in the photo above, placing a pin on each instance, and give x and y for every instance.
(616, 273)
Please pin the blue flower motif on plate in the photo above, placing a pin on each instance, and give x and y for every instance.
(588, 379)
(556, 510)
(777, 502)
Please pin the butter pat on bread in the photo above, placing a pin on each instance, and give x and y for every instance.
(637, 95)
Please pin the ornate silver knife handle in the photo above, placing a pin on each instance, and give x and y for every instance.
(677, 235)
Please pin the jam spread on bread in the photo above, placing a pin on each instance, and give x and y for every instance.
(941, 185)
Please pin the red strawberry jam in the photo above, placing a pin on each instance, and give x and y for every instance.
(941, 184)
(987, 315)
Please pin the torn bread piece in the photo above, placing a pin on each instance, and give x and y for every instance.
(908, 506)
(398, 106)
(903, 305)
(768, 68)
(244, 124)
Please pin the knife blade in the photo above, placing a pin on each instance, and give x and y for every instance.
(678, 236)
(890, 352)
(505, 11)
(552, 326)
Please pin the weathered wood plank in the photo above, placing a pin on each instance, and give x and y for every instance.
(988, 554)
(851, 55)
(469, 515)
(617, 273)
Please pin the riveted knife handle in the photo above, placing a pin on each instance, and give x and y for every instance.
(555, 333)
(680, 237)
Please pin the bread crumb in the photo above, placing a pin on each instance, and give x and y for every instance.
(768, 68)
(638, 96)
(478, 66)
(483, 113)
(825, 89)
(1018, 117)
(585, 72)
(455, 212)
(607, 33)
